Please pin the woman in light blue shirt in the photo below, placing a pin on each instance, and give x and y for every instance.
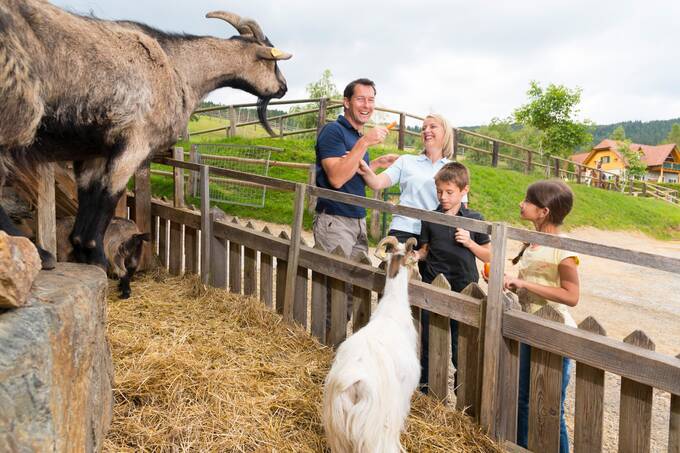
(415, 175)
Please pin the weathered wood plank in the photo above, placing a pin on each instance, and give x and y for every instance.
(249, 268)
(338, 327)
(178, 176)
(319, 303)
(300, 297)
(163, 230)
(122, 206)
(506, 427)
(439, 351)
(234, 264)
(635, 413)
(468, 360)
(206, 225)
(190, 250)
(674, 424)
(266, 276)
(176, 240)
(361, 304)
(45, 216)
(545, 392)
(294, 252)
(281, 272)
(589, 406)
(640, 365)
(143, 210)
(491, 338)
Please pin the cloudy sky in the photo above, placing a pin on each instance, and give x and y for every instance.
(471, 61)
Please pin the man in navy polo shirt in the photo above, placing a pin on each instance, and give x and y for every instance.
(339, 148)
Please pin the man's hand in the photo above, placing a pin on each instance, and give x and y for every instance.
(375, 136)
(384, 161)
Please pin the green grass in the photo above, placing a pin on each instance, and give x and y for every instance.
(495, 193)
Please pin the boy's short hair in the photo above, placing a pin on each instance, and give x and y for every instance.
(454, 172)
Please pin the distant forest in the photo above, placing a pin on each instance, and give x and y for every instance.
(645, 133)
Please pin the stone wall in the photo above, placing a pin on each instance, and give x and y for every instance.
(56, 373)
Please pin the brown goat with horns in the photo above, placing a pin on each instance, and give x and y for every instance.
(107, 95)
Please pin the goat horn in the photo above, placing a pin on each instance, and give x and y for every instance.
(254, 29)
(383, 245)
(234, 20)
(410, 244)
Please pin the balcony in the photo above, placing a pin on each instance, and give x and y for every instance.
(671, 166)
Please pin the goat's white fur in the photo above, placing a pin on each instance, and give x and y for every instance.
(368, 390)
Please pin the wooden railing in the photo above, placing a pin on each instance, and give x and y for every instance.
(481, 148)
(280, 270)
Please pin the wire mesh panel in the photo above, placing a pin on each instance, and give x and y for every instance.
(244, 158)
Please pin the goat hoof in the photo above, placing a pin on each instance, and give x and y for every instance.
(91, 244)
(76, 240)
(125, 295)
(47, 259)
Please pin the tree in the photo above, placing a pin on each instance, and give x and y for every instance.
(634, 167)
(618, 134)
(552, 111)
(674, 134)
(322, 88)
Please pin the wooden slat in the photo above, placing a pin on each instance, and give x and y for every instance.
(300, 297)
(45, 217)
(545, 391)
(338, 327)
(635, 413)
(206, 226)
(281, 272)
(468, 360)
(249, 268)
(491, 338)
(674, 424)
(647, 367)
(361, 304)
(190, 250)
(143, 211)
(508, 366)
(266, 276)
(175, 260)
(589, 399)
(163, 242)
(319, 303)
(439, 351)
(294, 252)
(178, 175)
(234, 264)
(121, 206)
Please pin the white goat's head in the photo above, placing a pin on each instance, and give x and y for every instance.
(396, 254)
(261, 76)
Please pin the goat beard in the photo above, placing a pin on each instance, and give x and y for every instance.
(262, 104)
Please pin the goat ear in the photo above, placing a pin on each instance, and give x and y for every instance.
(272, 53)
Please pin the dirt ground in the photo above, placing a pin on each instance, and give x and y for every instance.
(623, 298)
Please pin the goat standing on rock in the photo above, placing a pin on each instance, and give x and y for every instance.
(107, 95)
(368, 390)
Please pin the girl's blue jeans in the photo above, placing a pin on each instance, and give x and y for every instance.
(523, 399)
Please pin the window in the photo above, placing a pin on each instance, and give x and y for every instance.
(605, 159)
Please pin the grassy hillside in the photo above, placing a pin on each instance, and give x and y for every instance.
(495, 193)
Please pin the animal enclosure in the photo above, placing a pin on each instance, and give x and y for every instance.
(293, 278)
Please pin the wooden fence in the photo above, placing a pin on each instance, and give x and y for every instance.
(293, 278)
(484, 149)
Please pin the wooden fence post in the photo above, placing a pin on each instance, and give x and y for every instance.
(374, 226)
(163, 242)
(402, 131)
(456, 149)
(530, 156)
(218, 254)
(439, 348)
(319, 303)
(545, 392)
(266, 277)
(281, 274)
(232, 121)
(338, 327)
(494, 155)
(249, 268)
(206, 225)
(311, 181)
(178, 174)
(674, 423)
(192, 186)
(491, 335)
(362, 299)
(322, 115)
(234, 264)
(635, 413)
(45, 222)
(281, 127)
(579, 171)
(468, 359)
(556, 165)
(294, 252)
(143, 210)
(300, 296)
(589, 399)
(509, 380)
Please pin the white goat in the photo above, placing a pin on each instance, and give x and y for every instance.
(367, 393)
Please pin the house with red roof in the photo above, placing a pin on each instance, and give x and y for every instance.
(663, 161)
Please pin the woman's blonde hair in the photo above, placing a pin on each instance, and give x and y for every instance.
(447, 146)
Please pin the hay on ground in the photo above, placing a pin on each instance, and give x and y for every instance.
(205, 370)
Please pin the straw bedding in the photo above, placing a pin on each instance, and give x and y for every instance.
(202, 370)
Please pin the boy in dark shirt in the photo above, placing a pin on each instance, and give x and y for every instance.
(449, 250)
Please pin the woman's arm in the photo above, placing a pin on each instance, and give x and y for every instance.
(375, 182)
(567, 293)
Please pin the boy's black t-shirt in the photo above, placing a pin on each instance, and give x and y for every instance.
(448, 257)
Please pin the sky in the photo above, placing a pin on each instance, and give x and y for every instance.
(471, 61)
